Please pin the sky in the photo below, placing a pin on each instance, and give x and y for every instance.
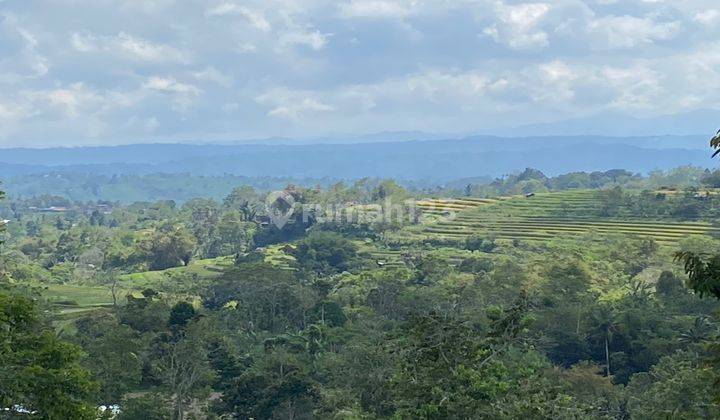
(89, 72)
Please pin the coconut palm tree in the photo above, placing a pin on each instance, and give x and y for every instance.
(605, 323)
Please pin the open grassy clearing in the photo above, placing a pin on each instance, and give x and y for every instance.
(174, 278)
(74, 297)
(73, 300)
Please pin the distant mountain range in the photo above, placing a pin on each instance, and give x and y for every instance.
(412, 157)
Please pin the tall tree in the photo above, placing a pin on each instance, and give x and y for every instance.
(40, 372)
(114, 355)
(184, 366)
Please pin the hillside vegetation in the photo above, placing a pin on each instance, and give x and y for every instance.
(522, 298)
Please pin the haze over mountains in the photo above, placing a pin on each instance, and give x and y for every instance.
(371, 156)
(619, 124)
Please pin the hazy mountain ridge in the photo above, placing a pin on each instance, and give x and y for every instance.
(439, 160)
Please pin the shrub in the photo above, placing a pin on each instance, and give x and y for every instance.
(480, 243)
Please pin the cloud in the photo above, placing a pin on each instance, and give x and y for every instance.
(169, 69)
(375, 9)
(85, 42)
(296, 110)
(28, 61)
(313, 39)
(707, 17)
(128, 46)
(256, 19)
(170, 85)
(292, 105)
(149, 51)
(518, 26)
(630, 32)
(14, 112)
(213, 75)
(636, 87)
(65, 98)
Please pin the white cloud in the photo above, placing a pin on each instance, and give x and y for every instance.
(170, 85)
(292, 105)
(375, 9)
(213, 75)
(255, 18)
(85, 42)
(313, 39)
(151, 124)
(364, 65)
(637, 87)
(630, 32)
(302, 108)
(64, 103)
(13, 112)
(127, 46)
(29, 62)
(518, 26)
(149, 51)
(708, 17)
(294, 111)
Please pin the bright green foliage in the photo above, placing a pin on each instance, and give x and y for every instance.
(677, 387)
(40, 372)
(703, 274)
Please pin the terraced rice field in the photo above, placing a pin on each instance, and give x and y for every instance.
(551, 215)
(442, 206)
(276, 256)
(385, 257)
(391, 258)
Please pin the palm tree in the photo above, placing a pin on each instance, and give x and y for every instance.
(698, 332)
(604, 324)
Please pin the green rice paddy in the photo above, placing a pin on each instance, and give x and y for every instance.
(547, 216)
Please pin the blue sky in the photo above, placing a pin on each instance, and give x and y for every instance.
(122, 71)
